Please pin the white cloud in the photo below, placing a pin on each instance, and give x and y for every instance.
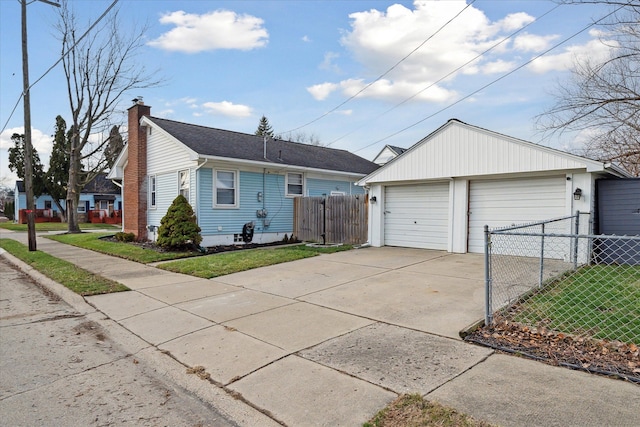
(40, 141)
(378, 39)
(226, 108)
(328, 64)
(322, 91)
(306, 39)
(533, 43)
(220, 29)
(594, 50)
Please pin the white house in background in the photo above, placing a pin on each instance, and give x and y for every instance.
(388, 153)
(441, 192)
(231, 179)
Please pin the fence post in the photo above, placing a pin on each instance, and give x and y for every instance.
(488, 313)
(541, 258)
(575, 243)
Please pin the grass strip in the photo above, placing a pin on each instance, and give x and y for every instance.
(601, 300)
(411, 410)
(71, 276)
(93, 241)
(233, 262)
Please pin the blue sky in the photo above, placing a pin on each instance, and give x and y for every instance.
(407, 66)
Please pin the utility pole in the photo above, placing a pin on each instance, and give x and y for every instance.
(28, 148)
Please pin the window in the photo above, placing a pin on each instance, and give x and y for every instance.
(47, 204)
(295, 184)
(183, 182)
(152, 191)
(81, 208)
(226, 185)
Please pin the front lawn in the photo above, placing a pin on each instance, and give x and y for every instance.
(128, 251)
(75, 278)
(232, 262)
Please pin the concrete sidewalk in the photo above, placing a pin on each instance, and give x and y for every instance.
(332, 339)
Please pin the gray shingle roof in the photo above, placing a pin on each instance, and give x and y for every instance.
(235, 145)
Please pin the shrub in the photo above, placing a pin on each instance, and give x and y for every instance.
(9, 206)
(178, 228)
(125, 237)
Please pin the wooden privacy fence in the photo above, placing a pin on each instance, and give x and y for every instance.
(343, 219)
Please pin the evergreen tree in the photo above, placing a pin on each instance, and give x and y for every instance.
(58, 172)
(114, 146)
(264, 128)
(16, 164)
(178, 228)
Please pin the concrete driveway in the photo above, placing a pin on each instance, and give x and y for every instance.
(327, 340)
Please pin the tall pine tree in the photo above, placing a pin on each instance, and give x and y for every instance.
(58, 173)
(16, 164)
(264, 128)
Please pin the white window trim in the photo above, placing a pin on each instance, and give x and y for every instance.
(286, 184)
(188, 171)
(236, 175)
(82, 208)
(155, 181)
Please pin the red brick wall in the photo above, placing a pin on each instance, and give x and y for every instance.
(135, 175)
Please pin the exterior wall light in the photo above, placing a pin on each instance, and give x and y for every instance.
(577, 194)
(373, 199)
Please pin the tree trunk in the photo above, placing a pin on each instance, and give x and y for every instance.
(63, 213)
(73, 191)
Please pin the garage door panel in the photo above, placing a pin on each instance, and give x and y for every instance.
(501, 203)
(417, 216)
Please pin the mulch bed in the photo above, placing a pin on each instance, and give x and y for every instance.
(210, 250)
(611, 358)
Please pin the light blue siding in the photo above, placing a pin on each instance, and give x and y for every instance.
(221, 221)
(42, 199)
(318, 187)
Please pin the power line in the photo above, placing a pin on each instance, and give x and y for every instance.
(510, 36)
(59, 60)
(492, 82)
(386, 72)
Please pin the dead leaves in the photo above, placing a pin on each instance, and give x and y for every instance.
(557, 348)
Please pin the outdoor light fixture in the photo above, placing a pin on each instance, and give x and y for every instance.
(577, 194)
(373, 199)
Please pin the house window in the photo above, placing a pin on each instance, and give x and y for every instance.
(226, 186)
(152, 191)
(47, 204)
(295, 184)
(183, 182)
(82, 208)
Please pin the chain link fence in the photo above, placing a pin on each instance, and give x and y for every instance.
(556, 275)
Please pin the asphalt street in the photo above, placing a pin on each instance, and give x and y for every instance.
(60, 367)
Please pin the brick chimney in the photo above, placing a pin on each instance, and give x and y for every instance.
(135, 173)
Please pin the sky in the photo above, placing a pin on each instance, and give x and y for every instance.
(355, 75)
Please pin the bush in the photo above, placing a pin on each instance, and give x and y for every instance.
(125, 237)
(178, 228)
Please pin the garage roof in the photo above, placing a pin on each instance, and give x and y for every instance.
(458, 149)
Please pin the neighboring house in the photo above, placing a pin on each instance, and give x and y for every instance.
(98, 195)
(229, 178)
(388, 153)
(441, 192)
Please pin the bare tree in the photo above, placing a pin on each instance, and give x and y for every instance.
(602, 99)
(302, 137)
(99, 69)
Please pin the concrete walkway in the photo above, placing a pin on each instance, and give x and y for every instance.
(332, 339)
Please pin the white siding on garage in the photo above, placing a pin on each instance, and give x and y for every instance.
(501, 203)
(417, 216)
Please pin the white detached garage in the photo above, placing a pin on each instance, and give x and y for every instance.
(441, 192)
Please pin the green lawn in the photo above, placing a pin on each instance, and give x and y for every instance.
(57, 226)
(78, 280)
(232, 262)
(128, 251)
(601, 301)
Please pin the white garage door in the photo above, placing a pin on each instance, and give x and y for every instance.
(501, 203)
(417, 216)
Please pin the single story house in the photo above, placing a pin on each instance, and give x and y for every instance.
(441, 192)
(231, 179)
(99, 195)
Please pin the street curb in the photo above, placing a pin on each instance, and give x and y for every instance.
(166, 366)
